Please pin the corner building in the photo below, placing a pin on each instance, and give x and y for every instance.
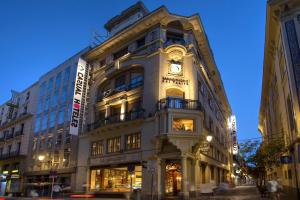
(155, 94)
(279, 116)
(16, 117)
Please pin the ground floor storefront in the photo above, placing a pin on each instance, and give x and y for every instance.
(118, 178)
(164, 177)
(41, 183)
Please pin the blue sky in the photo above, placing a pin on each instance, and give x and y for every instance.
(36, 36)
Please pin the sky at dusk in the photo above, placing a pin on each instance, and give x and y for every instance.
(38, 35)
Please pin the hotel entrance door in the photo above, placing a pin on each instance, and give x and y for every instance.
(173, 179)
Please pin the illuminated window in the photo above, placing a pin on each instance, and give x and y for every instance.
(114, 145)
(133, 141)
(116, 179)
(66, 159)
(180, 124)
(97, 148)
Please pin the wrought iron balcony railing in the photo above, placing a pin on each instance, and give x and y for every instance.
(178, 103)
(9, 155)
(18, 133)
(129, 87)
(125, 117)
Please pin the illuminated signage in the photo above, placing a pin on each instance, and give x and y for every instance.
(232, 127)
(78, 101)
(177, 81)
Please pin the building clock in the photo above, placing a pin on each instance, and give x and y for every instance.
(175, 68)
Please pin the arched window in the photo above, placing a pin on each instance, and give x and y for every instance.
(175, 93)
(175, 98)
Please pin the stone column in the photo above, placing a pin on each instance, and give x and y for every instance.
(197, 174)
(184, 180)
(161, 169)
(123, 110)
(107, 111)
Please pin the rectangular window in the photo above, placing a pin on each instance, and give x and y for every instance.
(64, 95)
(133, 141)
(49, 142)
(66, 159)
(97, 148)
(120, 53)
(181, 124)
(50, 86)
(47, 103)
(52, 119)
(37, 124)
(56, 157)
(55, 99)
(290, 174)
(58, 140)
(140, 42)
(120, 82)
(114, 145)
(212, 173)
(40, 106)
(58, 81)
(136, 80)
(18, 147)
(61, 117)
(42, 90)
(67, 75)
(44, 122)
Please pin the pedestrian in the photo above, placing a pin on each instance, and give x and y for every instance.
(56, 191)
(274, 188)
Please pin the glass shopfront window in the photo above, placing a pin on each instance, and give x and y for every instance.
(116, 179)
(180, 124)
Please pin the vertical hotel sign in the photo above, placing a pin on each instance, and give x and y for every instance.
(78, 97)
(232, 127)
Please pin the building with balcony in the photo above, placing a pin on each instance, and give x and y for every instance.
(16, 117)
(155, 95)
(279, 116)
(52, 149)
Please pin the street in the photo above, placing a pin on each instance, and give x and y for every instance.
(237, 193)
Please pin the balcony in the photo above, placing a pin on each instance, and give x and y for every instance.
(9, 136)
(178, 103)
(16, 120)
(8, 155)
(120, 118)
(18, 133)
(174, 41)
(111, 92)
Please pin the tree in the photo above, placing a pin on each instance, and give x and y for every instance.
(259, 157)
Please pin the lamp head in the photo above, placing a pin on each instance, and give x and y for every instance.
(209, 138)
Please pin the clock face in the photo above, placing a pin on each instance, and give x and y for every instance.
(176, 68)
